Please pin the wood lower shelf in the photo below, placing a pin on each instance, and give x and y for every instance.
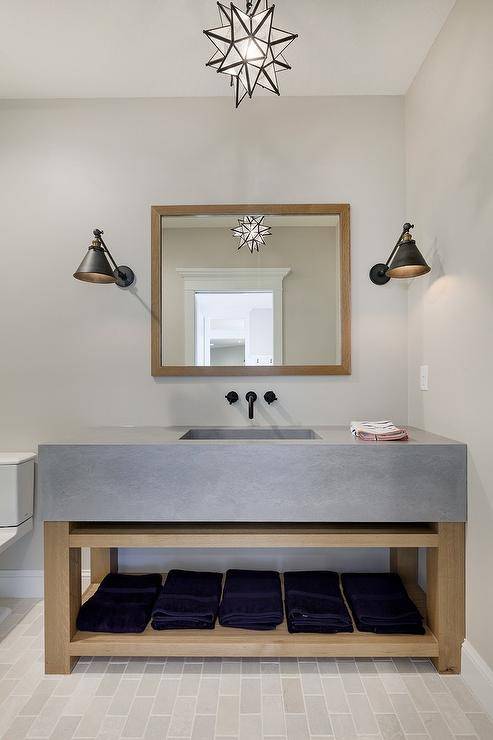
(228, 642)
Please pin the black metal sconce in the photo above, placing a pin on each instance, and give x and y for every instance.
(95, 267)
(405, 261)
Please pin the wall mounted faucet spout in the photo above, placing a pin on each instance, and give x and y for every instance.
(251, 397)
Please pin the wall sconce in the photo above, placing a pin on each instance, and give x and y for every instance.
(405, 261)
(95, 267)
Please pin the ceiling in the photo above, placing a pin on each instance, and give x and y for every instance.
(156, 48)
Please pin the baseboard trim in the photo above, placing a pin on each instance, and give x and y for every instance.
(29, 584)
(478, 676)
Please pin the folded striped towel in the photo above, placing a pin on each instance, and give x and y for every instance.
(378, 431)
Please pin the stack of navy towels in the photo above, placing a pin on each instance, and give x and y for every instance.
(252, 599)
(122, 603)
(380, 604)
(188, 600)
(314, 602)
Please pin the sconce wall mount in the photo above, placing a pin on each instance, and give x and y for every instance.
(405, 261)
(96, 267)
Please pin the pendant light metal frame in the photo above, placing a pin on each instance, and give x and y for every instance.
(251, 232)
(249, 48)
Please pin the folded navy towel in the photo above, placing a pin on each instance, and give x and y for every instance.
(188, 600)
(122, 603)
(380, 603)
(314, 602)
(252, 600)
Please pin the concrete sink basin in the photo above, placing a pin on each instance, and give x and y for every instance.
(256, 433)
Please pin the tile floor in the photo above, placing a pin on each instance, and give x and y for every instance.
(344, 699)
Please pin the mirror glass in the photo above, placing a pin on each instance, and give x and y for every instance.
(267, 295)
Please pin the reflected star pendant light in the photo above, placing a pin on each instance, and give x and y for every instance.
(248, 47)
(251, 232)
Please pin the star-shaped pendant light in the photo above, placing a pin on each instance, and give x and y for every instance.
(251, 232)
(249, 48)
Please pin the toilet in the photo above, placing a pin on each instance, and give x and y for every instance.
(16, 496)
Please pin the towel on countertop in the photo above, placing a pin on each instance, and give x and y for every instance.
(314, 602)
(252, 599)
(378, 431)
(379, 603)
(188, 600)
(122, 603)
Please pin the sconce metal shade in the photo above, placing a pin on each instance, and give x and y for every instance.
(408, 261)
(95, 267)
(405, 261)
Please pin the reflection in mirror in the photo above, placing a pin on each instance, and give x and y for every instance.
(232, 296)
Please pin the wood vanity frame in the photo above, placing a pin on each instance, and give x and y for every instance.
(443, 604)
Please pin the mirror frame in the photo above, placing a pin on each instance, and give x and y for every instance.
(157, 214)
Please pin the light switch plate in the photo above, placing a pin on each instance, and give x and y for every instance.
(423, 378)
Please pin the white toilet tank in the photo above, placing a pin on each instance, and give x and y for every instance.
(16, 487)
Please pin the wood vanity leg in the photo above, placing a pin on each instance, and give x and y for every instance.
(445, 595)
(404, 561)
(104, 560)
(62, 578)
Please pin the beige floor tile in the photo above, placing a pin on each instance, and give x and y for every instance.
(297, 727)
(483, 725)
(327, 667)
(182, 717)
(203, 727)
(36, 702)
(407, 714)
(343, 725)
(273, 715)
(65, 728)
(335, 696)
(79, 701)
(350, 677)
(93, 718)
(435, 726)
(250, 727)
(228, 715)
(19, 728)
(123, 696)
(137, 717)
(317, 715)
(404, 665)
(271, 683)
(292, 695)
(420, 695)
(165, 696)
(363, 716)
(208, 695)
(390, 728)
(250, 666)
(250, 696)
(377, 695)
(46, 721)
(366, 666)
(157, 728)
(461, 694)
(189, 685)
(108, 684)
(289, 666)
(455, 718)
(230, 680)
(310, 678)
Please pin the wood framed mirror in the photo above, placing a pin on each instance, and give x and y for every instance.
(220, 306)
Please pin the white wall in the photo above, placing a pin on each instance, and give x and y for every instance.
(75, 354)
(449, 127)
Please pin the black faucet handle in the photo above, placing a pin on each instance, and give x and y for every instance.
(270, 397)
(231, 397)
